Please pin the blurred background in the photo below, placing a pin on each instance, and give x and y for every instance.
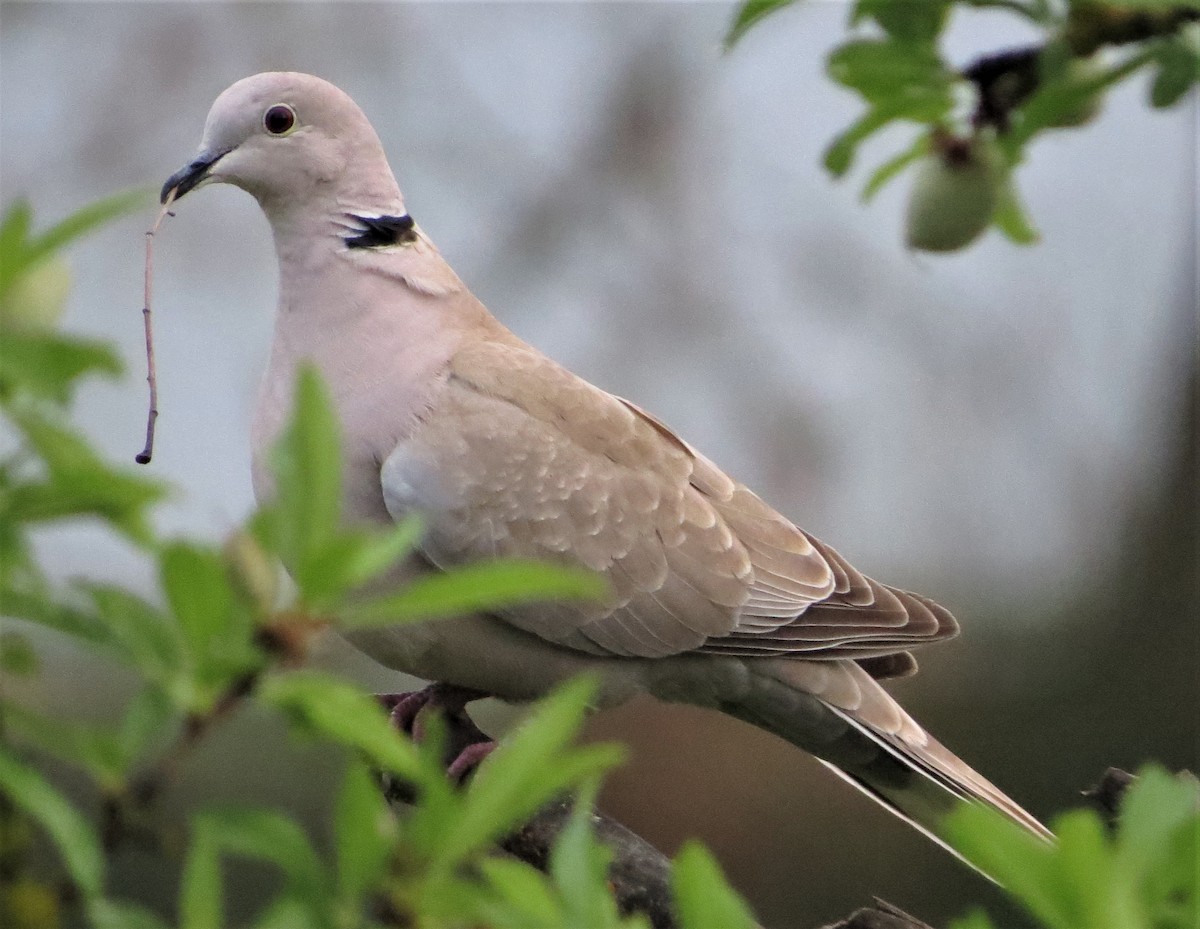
(1011, 431)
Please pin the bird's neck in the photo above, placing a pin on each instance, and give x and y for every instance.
(379, 321)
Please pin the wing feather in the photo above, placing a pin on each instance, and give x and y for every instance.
(518, 457)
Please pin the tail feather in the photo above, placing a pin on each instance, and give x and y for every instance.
(837, 712)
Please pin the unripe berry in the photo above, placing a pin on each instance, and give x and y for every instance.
(954, 194)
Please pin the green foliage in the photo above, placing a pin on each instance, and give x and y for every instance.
(749, 13)
(1142, 877)
(21, 251)
(31, 794)
(892, 59)
(220, 636)
(703, 899)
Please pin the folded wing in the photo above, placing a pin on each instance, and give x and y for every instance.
(520, 458)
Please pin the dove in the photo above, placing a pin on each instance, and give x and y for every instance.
(715, 599)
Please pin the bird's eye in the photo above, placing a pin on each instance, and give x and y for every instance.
(279, 119)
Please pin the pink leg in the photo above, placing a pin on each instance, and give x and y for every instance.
(467, 745)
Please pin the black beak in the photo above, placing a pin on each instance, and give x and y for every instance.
(188, 177)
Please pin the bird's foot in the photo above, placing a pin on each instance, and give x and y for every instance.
(466, 743)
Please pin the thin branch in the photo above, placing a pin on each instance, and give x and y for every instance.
(143, 457)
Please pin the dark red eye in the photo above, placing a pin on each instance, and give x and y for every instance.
(279, 119)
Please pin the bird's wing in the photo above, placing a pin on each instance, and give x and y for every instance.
(520, 458)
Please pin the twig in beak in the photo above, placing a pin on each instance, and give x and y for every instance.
(143, 457)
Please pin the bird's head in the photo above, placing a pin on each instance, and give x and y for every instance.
(290, 138)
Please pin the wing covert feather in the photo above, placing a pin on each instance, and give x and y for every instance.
(520, 458)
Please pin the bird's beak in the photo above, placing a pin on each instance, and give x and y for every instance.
(192, 175)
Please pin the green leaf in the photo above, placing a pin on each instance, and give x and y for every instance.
(976, 919)
(703, 898)
(25, 600)
(892, 73)
(351, 558)
(344, 714)
(14, 229)
(839, 156)
(46, 364)
(251, 833)
(1178, 70)
(1154, 5)
(113, 914)
(375, 553)
(271, 836)
(17, 656)
(1038, 11)
(748, 14)
(525, 890)
(198, 591)
(531, 767)
(80, 483)
(307, 463)
(1010, 217)
(1172, 892)
(138, 631)
(1086, 873)
(1155, 806)
(1014, 858)
(147, 718)
(77, 224)
(893, 166)
(200, 904)
(82, 744)
(906, 20)
(72, 834)
(217, 627)
(579, 868)
(290, 912)
(364, 831)
(1060, 97)
(490, 585)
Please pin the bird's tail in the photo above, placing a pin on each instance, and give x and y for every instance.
(838, 712)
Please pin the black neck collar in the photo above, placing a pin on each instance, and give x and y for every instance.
(381, 231)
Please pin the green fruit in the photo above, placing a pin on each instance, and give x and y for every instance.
(1080, 71)
(954, 195)
(38, 297)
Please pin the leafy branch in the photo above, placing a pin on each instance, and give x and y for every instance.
(976, 122)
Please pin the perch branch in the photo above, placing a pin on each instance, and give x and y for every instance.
(882, 915)
(639, 873)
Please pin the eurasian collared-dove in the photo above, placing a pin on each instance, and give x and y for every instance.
(716, 599)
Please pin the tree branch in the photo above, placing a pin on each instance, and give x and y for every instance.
(1007, 79)
(640, 874)
(882, 915)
